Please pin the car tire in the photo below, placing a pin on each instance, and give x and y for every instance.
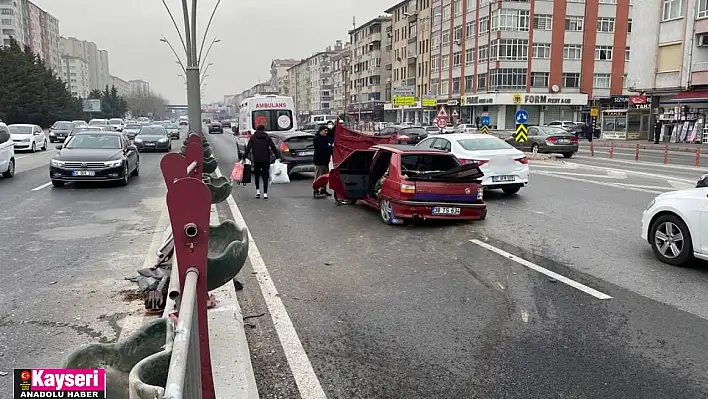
(57, 183)
(34, 147)
(511, 190)
(136, 171)
(10, 169)
(568, 154)
(670, 226)
(126, 176)
(387, 214)
(534, 149)
(44, 146)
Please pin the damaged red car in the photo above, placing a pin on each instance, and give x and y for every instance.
(408, 183)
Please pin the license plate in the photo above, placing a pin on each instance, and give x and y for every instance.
(150, 144)
(84, 173)
(445, 210)
(498, 179)
(563, 141)
(306, 153)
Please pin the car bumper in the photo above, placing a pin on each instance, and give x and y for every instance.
(219, 130)
(67, 175)
(559, 148)
(646, 220)
(58, 136)
(156, 147)
(424, 210)
(22, 145)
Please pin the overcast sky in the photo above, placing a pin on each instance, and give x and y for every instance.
(252, 33)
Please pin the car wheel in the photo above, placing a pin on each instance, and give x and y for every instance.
(126, 176)
(44, 146)
(511, 190)
(10, 169)
(568, 154)
(136, 171)
(534, 148)
(57, 183)
(387, 215)
(670, 240)
(34, 147)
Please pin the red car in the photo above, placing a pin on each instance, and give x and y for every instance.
(408, 183)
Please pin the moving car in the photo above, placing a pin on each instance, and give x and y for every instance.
(466, 128)
(577, 130)
(98, 122)
(297, 150)
(94, 156)
(215, 127)
(548, 140)
(153, 138)
(226, 124)
(565, 125)
(406, 134)
(674, 225)
(7, 152)
(28, 137)
(503, 166)
(143, 120)
(132, 129)
(172, 130)
(405, 182)
(183, 121)
(117, 124)
(60, 131)
(79, 123)
(432, 130)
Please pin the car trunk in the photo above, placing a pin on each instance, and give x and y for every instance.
(440, 178)
(561, 139)
(300, 145)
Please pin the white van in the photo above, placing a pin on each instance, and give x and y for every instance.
(7, 152)
(322, 119)
(276, 113)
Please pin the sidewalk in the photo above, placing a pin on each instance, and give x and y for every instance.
(644, 145)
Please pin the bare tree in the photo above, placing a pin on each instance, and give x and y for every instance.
(140, 104)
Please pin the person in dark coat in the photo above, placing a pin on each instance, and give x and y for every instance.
(324, 146)
(588, 131)
(261, 145)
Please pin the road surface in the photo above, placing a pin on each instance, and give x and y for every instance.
(473, 309)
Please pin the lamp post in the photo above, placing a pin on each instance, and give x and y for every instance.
(204, 71)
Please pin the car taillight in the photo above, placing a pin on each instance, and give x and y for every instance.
(480, 193)
(573, 139)
(522, 160)
(469, 161)
(283, 147)
(552, 140)
(407, 188)
(403, 137)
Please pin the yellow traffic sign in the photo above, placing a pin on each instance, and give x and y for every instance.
(430, 102)
(522, 134)
(484, 129)
(398, 101)
(595, 112)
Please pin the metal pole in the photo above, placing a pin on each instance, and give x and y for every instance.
(194, 100)
(179, 33)
(206, 31)
(179, 61)
(206, 55)
(194, 33)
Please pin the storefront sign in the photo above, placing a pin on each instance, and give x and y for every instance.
(430, 102)
(452, 103)
(527, 99)
(640, 106)
(475, 100)
(635, 100)
(543, 99)
(620, 99)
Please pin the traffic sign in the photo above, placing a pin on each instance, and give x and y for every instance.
(485, 120)
(595, 112)
(442, 123)
(484, 129)
(398, 101)
(442, 113)
(521, 116)
(522, 133)
(455, 114)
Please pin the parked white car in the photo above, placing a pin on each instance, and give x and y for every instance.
(466, 128)
(565, 125)
(7, 152)
(503, 166)
(675, 224)
(28, 137)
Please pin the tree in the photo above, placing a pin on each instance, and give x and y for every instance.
(30, 92)
(146, 104)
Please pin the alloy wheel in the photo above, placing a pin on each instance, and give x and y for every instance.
(386, 211)
(668, 240)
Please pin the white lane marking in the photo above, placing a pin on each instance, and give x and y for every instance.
(307, 382)
(601, 183)
(644, 174)
(679, 185)
(42, 186)
(617, 174)
(565, 280)
(22, 157)
(647, 187)
(607, 176)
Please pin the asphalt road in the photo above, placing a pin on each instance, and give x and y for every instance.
(422, 312)
(64, 256)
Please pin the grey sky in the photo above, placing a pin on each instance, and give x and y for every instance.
(252, 33)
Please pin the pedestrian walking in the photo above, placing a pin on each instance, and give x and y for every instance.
(324, 145)
(588, 131)
(261, 146)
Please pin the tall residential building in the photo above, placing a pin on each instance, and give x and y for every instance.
(371, 45)
(97, 60)
(548, 57)
(122, 86)
(311, 84)
(139, 87)
(31, 26)
(669, 65)
(299, 89)
(279, 74)
(341, 64)
(75, 72)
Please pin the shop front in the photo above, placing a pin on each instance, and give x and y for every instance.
(366, 112)
(542, 108)
(683, 117)
(629, 123)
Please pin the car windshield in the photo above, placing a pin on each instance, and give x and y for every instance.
(97, 122)
(171, 126)
(64, 126)
(551, 131)
(115, 122)
(133, 126)
(94, 141)
(273, 119)
(20, 129)
(486, 143)
(151, 131)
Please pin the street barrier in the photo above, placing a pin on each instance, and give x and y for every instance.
(666, 154)
(612, 149)
(667, 150)
(636, 153)
(697, 162)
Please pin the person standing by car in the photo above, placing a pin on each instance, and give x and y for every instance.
(324, 145)
(261, 145)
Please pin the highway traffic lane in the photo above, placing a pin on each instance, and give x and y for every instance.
(654, 156)
(25, 161)
(364, 323)
(64, 259)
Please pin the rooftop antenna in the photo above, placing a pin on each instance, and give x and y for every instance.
(354, 22)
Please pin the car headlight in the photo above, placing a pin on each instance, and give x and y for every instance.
(56, 163)
(162, 140)
(113, 164)
(138, 140)
(651, 204)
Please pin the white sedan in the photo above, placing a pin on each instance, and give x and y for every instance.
(675, 224)
(28, 137)
(503, 166)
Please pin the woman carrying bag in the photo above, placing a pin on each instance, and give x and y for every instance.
(261, 145)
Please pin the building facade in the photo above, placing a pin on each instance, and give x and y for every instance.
(31, 26)
(299, 89)
(341, 66)
(370, 77)
(311, 83)
(97, 60)
(122, 86)
(139, 87)
(551, 58)
(279, 74)
(669, 66)
(75, 72)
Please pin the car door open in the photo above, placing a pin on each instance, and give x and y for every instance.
(351, 178)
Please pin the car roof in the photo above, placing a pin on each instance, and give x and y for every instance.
(465, 136)
(22, 124)
(107, 132)
(407, 149)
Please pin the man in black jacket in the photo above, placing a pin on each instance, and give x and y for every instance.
(261, 145)
(324, 145)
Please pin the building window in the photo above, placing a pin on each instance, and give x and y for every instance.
(456, 59)
(539, 79)
(445, 86)
(446, 37)
(434, 86)
(510, 20)
(702, 8)
(571, 80)
(574, 24)
(541, 50)
(469, 56)
(445, 62)
(601, 81)
(446, 13)
(469, 82)
(672, 9)
(436, 42)
(455, 85)
(483, 25)
(670, 58)
(608, 1)
(434, 62)
(572, 52)
(606, 25)
(481, 81)
(627, 53)
(543, 22)
(509, 50)
(483, 54)
(470, 28)
(458, 8)
(507, 78)
(458, 34)
(603, 53)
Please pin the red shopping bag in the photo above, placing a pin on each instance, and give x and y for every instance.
(237, 173)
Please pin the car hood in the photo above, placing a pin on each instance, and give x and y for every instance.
(17, 136)
(690, 193)
(150, 137)
(88, 155)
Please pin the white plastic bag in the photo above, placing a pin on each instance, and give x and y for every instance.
(279, 173)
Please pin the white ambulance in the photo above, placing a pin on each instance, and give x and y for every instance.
(276, 113)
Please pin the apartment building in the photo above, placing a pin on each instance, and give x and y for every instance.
(75, 72)
(410, 60)
(549, 57)
(370, 77)
(31, 26)
(341, 65)
(311, 84)
(88, 51)
(139, 87)
(298, 89)
(669, 65)
(122, 86)
(279, 74)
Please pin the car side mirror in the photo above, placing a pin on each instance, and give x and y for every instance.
(37, 133)
(59, 147)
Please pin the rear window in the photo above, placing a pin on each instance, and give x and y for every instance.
(482, 144)
(64, 126)
(428, 162)
(419, 131)
(274, 120)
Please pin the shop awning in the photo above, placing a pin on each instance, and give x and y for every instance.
(691, 96)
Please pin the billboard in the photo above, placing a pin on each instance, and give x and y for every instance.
(92, 105)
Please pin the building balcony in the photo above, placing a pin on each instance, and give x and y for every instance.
(699, 73)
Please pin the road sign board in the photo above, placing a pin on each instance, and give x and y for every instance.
(442, 123)
(398, 101)
(484, 129)
(522, 133)
(521, 116)
(455, 114)
(485, 120)
(595, 112)
(442, 113)
(403, 90)
(430, 102)
(92, 105)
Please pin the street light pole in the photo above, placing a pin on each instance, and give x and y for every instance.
(179, 61)
(203, 60)
(204, 71)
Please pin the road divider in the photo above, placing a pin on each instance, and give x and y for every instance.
(666, 152)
